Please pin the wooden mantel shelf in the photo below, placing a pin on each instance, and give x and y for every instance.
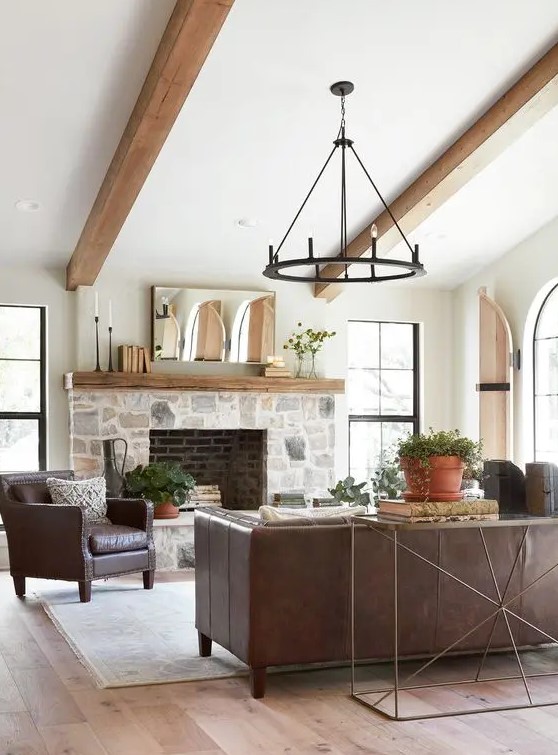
(132, 381)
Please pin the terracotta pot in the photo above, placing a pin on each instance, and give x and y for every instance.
(165, 510)
(441, 481)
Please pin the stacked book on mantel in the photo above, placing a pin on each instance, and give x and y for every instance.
(203, 495)
(134, 359)
(437, 511)
(275, 368)
(290, 500)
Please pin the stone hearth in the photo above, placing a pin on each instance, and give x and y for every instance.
(300, 428)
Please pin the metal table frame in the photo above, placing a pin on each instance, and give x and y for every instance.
(390, 530)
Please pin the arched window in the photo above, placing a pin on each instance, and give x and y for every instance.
(545, 374)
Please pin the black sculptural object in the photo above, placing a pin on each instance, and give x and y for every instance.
(505, 482)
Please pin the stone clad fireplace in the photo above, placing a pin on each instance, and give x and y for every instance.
(296, 430)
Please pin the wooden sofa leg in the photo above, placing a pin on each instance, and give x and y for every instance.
(85, 590)
(204, 644)
(148, 579)
(257, 681)
(19, 584)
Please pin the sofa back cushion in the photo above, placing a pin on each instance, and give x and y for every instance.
(275, 514)
(31, 492)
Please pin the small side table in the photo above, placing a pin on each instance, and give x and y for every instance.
(501, 607)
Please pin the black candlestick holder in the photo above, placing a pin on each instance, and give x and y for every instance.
(98, 365)
(110, 367)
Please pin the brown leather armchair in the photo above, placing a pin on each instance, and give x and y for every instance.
(50, 541)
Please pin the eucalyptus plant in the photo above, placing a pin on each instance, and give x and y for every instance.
(347, 491)
(159, 482)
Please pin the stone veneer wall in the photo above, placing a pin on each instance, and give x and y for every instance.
(300, 437)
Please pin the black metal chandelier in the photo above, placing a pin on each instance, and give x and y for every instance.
(373, 272)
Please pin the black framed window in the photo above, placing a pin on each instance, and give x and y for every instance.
(22, 388)
(545, 379)
(382, 390)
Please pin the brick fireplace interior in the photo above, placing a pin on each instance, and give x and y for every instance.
(235, 460)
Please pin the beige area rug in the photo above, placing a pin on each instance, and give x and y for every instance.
(129, 636)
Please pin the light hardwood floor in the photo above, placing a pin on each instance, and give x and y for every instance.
(50, 705)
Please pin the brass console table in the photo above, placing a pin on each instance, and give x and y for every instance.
(391, 695)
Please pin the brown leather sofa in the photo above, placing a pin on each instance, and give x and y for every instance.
(50, 541)
(278, 593)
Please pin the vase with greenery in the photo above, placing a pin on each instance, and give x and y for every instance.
(473, 478)
(306, 343)
(387, 481)
(348, 491)
(433, 464)
(164, 483)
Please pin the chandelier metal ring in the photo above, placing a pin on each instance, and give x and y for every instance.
(413, 270)
(402, 269)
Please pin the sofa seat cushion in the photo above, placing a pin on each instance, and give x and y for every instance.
(30, 492)
(115, 538)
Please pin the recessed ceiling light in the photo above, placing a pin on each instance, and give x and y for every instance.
(27, 205)
(247, 222)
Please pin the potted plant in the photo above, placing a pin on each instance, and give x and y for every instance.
(164, 483)
(304, 342)
(433, 464)
(347, 491)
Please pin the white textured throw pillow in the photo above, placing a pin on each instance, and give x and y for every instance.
(90, 493)
(273, 513)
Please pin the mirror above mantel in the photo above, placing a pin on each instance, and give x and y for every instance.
(212, 325)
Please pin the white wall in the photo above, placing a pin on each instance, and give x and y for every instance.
(47, 287)
(449, 320)
(71, 334)
(517, 282)
(129, 292)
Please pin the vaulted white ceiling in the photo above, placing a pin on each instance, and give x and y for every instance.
(259, 123)
(70, 73)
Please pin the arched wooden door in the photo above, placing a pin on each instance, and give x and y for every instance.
(495, 384)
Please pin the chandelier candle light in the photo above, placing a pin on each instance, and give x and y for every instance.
(110, 367)
(98, 365)
(374, 272)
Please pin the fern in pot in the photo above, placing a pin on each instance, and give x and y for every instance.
(164, 483)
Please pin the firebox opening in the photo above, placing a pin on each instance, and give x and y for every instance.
(235, 460)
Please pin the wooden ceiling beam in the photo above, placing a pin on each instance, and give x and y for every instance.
(185, 44)
(535, 94)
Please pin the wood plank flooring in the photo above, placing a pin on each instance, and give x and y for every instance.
(49, 705)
